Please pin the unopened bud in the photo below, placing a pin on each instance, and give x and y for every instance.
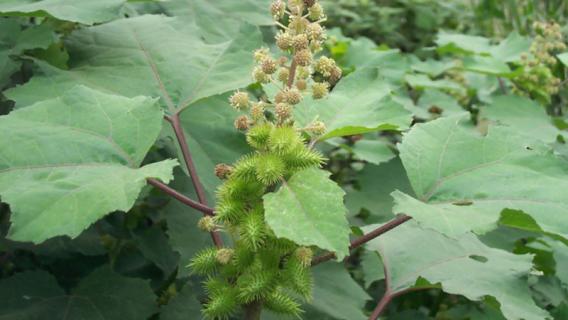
(335, 75)
(292, 96)
(224, 255)
(304, 255)
(309, 3)
(303, 57)
(283, 75)
(239, 100)
(278, 9)
(315, 32)
(320, 90)
(261, 54)
(317, 127)
(284, 40)
(316, 12)
(324, 65)
(300, 41)
(223, 171)
(257, 111)
(259, 75)
(268, 65)
(282, 60)
(301, 84)
(283, 111)
(242, 123)
(298, 24)
(207, 224)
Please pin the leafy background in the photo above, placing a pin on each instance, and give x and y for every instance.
(425, 123)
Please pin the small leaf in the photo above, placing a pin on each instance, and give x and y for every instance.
(308, 209)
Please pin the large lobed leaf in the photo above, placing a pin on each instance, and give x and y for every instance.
(462, 266)
(101, 295)
(148, 55)
(68, 161)
(308, 209)
(82, 11)
(463, 180)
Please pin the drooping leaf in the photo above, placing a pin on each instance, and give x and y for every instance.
(333, 287)
(373, 151)
(68, 161)
(82, 11)
(183, 306)
(422, 81)
(461, 42)
(486, 65)
(511, 49)
(360, 103)
(308, 209)
(410, 254)
(154, 245)
(433, 68)
(463, 180)
(101, 295)
(522, 115)
(148, 55)
(563, 57)
(560, 253)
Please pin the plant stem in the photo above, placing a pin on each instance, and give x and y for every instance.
(253, 311)
(180, 197)
(365, 238)
(292, 74)
(180, 136)
(381, 306)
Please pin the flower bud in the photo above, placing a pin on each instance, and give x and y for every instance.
(316, 12)
(242, 123)
(278, 9)
(335, 75)
(324, 65)
(320, 90)
(282, 60)
(223, 171)
(239, 100)
(301, 84)
(284, 40)
(224, 255)
(298, 24)
(315, 32)
(259, 75)
(304, 255)
(268, 65)
(292, 96)
(280, 97)
(283, 111)
(283, 74)
(309, 3)
(303, 57)
(257, 111)
(207, 224)
(261, 54)
(300, 41)
(317, 127)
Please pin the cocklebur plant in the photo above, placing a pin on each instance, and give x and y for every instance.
(537, 78)
(261, 270)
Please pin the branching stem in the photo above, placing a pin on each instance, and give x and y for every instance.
(365, 238)
(180, 197)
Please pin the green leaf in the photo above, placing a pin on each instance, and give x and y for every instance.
(153, 244)
(560, 253)
(82, 11)
(101, 295)
(486, 65)
(148, 55)
(375, 185)
(68, 161)
(308, 209)
(462, 266)
(360, 103)
(563, 57)
(463, 180)
(337, 294)
(421, 81)
(524, 116)
(373, 151)
(510, 49)
(433, 68)
(434, 100)
(220, 20)
(182, 306)
(461, 42)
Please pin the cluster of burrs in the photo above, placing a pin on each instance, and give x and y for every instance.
(259, 269)
(537, 78)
